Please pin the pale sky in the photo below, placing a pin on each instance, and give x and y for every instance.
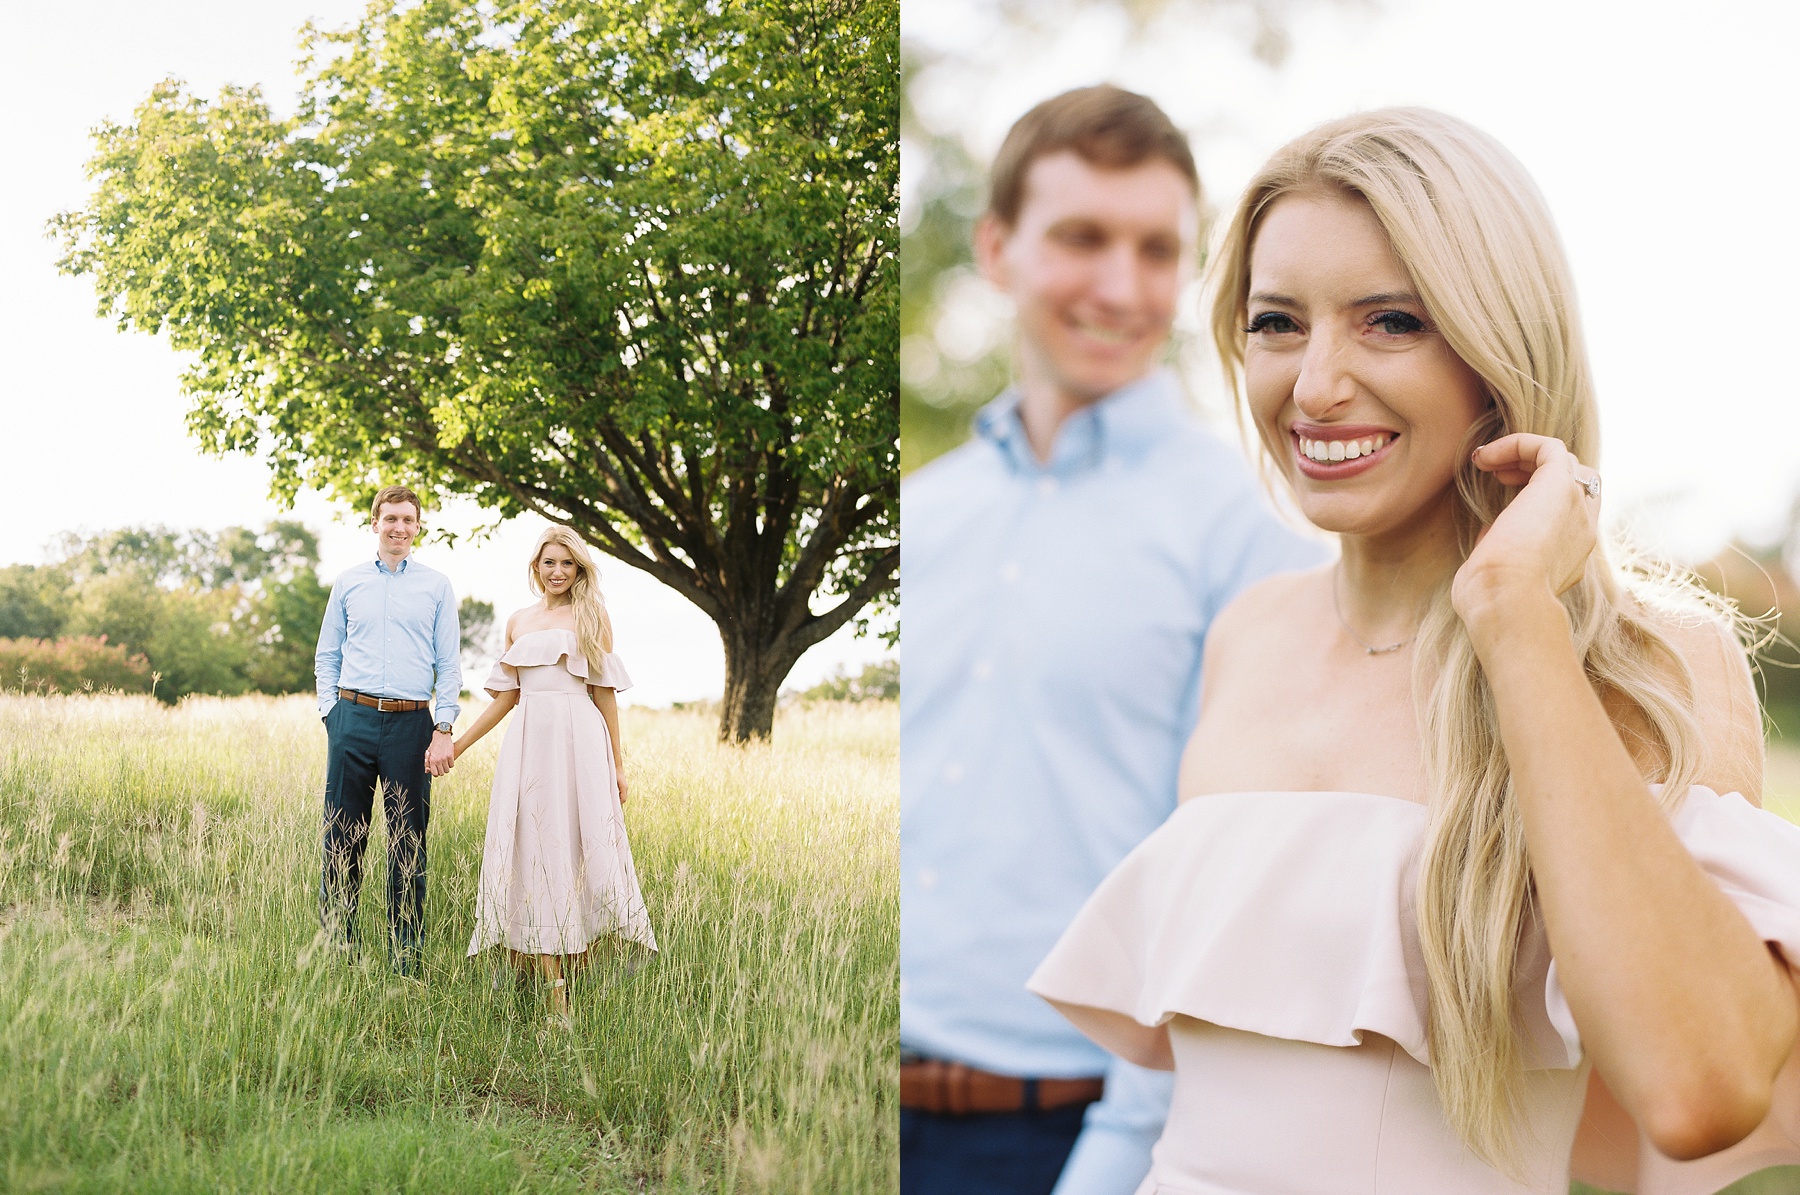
(1663, 136)
(91, 419)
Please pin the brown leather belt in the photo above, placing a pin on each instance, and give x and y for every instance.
(387, 705)
(940, 1087)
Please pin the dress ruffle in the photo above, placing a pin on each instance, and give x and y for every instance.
(1273, 913)
(1291, 915)
(536, 649)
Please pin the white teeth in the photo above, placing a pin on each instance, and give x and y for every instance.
(1342, 450)
(1111, 335)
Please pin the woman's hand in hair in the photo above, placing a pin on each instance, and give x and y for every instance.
(1540, 544)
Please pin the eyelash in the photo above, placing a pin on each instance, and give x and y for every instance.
(1410, 323)
(1416, 324)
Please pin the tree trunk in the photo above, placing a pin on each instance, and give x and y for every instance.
(752, 684)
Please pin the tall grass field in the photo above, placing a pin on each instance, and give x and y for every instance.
(169, 1023)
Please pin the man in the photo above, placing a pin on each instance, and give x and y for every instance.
(1061, 571)
(388, 680)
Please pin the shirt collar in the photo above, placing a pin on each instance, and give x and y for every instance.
(1122, 426)
(394, 572)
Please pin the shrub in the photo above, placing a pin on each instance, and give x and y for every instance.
(72, 664)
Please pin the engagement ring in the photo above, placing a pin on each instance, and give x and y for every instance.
(1592, 486)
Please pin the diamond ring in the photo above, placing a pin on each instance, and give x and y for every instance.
(1592, 486)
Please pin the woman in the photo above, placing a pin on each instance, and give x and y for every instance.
(556, 870)
(1452, 836)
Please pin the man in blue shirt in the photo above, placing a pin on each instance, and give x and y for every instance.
(1061, 571)
(387, 659)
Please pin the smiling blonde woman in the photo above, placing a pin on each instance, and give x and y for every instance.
(1469, 836)
(556, 868)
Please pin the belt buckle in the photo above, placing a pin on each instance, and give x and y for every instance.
(381, 705)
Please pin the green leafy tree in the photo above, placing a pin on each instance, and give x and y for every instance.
(190, 635)
(879, 681)
(629, 266)
(33, 601)
(286, 616)
(214, 612)
(475, 619)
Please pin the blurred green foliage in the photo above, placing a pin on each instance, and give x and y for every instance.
(475, 619)
(939, 392)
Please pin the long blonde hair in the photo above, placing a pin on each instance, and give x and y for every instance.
(593, 625)
(1476, 237)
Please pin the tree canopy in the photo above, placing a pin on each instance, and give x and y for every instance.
(628, 265)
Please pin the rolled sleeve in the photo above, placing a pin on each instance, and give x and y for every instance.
(1112, 1155)
(448, 650)
(328, 656)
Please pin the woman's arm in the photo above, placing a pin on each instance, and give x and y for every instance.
(607, 702)
(1686, 1013)
(498, 708)
(502, 705)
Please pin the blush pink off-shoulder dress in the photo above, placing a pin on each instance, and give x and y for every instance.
(556, 870)
(1266, 944)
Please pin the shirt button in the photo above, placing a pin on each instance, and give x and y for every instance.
(983, 669)
(1046, 486)
(1009, 572)
(953, 772)
(928, 879)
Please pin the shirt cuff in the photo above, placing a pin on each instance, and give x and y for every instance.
(1112, 1155)
(1106, 1161)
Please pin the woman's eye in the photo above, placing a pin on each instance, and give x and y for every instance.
(1397, 323)
(1273, 322)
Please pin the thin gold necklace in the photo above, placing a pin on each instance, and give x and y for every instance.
(1337, 608)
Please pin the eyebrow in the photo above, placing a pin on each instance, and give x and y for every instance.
(1396, 296)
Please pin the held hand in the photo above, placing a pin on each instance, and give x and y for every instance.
(1540, 544)
(440, 755)
(624, 785)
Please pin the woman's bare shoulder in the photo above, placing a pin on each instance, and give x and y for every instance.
(522, 620)
(1268, 604)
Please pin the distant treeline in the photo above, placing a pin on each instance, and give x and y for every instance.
(145, 609)
(151, 610)
(879, 681)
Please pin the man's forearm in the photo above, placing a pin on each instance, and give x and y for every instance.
(326, 671)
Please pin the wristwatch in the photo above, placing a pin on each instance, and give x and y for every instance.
(443, 727)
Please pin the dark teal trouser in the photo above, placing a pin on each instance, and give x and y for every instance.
(995, 1153)
(365, 744)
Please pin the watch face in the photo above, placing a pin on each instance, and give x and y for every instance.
(442, 728)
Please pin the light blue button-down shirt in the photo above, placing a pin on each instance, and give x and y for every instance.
(1055, 616)
(392, 633)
